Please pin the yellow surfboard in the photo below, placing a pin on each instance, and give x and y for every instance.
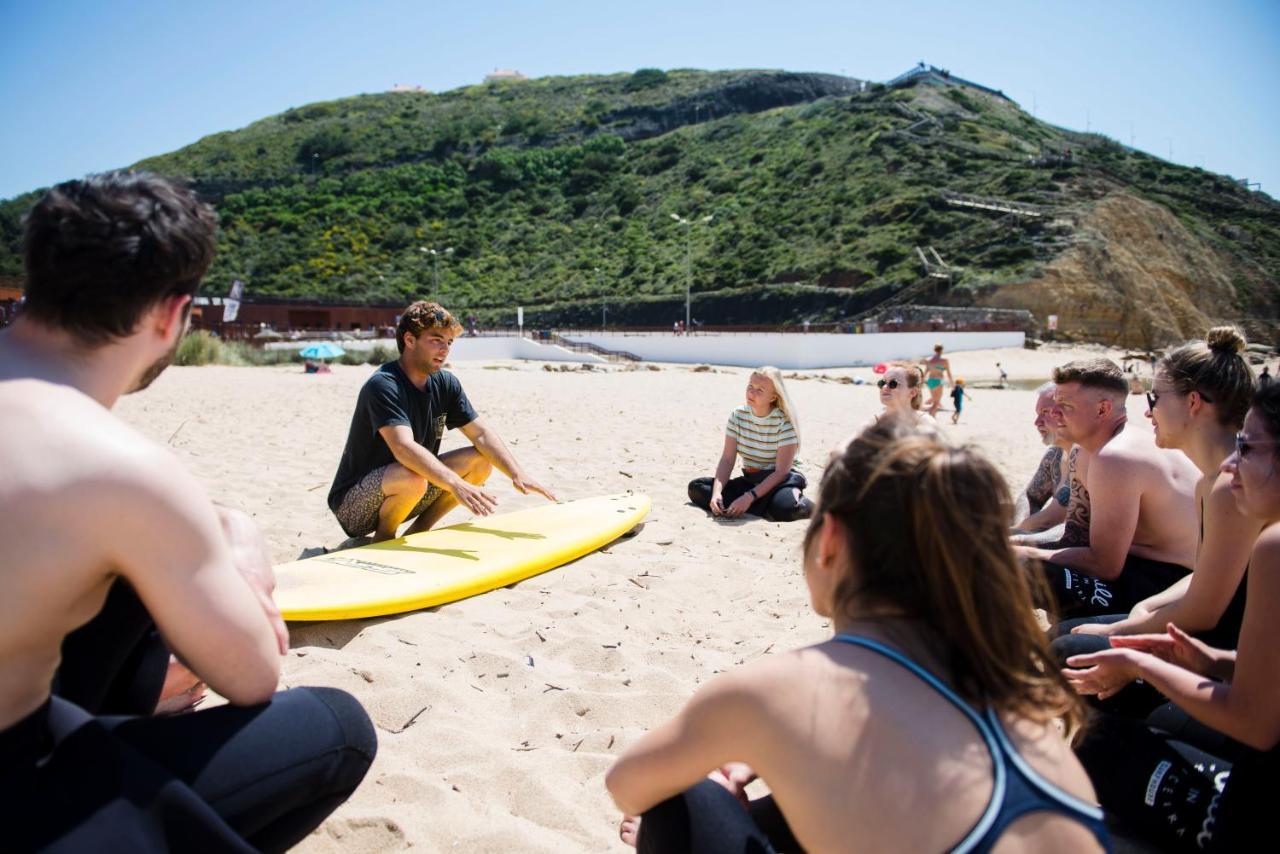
(447, 564)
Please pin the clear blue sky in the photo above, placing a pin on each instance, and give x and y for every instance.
(88, 86)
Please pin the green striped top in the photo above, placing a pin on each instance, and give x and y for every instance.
(760, 437)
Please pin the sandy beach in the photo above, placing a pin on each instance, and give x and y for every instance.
(498, 716)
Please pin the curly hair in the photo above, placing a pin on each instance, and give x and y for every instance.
(423, 315)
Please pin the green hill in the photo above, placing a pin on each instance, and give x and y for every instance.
(557, 194)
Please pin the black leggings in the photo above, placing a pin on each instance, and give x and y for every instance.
(1081, 595)
(784, 503)
(1135, 700)
(232, 778)
(706, 819)
(1175, 795)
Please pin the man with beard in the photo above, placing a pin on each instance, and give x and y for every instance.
(1053, 511)
(111, 555)
(1142, 521)
(391, 468)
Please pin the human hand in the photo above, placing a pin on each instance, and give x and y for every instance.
(525, 485)
(474, 498)
(1176, 647)
(740, 505)
(735, 776)
(1101, 629)
(717, 504)
(250, 558)
(1025, 553)
(1104, 673)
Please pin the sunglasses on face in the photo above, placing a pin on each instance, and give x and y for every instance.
(1153, 397)
(889, 383)
(1244, 446)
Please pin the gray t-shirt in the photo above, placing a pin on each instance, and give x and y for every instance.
(388, 399)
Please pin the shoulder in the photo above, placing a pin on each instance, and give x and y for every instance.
(446, 381)
(1266, 551)
(384, 379)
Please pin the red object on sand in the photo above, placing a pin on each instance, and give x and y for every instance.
(880, 368)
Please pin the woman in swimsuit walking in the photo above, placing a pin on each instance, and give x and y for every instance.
(935, 698)
(935, 368)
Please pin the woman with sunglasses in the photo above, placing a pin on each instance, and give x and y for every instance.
(902, 393)
(764, 433)
(927, 723)
(1199, 397)
(1176, 795)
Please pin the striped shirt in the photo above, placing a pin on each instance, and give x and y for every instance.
(759, 438)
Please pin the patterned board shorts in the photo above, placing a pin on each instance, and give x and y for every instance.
(358, 512)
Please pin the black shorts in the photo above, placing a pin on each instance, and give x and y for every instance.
(1081, 595)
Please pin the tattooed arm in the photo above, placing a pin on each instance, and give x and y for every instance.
(1040, 489)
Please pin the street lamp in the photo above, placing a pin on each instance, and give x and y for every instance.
(688, 261)
(435, 264)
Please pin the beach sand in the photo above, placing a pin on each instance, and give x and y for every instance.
(498, 716)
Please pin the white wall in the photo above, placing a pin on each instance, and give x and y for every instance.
(793, 350)
(509, 347)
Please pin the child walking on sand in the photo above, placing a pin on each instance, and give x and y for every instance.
(958, 393)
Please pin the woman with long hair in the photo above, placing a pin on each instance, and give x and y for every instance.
(764, 432)
(1178, 796)
(930, 719)
(1197, 403)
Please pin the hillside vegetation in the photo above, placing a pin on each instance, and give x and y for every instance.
(557, 194)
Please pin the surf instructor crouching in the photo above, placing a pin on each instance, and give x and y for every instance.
(391, 469)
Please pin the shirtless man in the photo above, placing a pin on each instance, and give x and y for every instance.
(1142, 527)
(88, 507)
(1056, 488)
(391, 468)
(935, 368)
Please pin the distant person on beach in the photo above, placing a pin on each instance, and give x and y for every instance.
(1004, 375)
(391, 469)
(935, 369)
(1198, 402)
(1142, 534)
(113, 556)
(1264, 378)
(1165, 785)
(763, 432)
(928, 722)
(958, 394)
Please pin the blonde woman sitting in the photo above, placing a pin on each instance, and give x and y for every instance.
(764, 433)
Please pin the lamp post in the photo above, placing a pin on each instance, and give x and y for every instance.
(435, 263)
(688, 225)
(604, 306)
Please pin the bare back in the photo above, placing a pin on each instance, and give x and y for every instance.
(863, 754)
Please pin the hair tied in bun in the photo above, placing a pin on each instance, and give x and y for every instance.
(1225, 339)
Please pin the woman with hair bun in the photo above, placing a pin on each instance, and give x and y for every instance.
(1175, 795)
(1197, 402)
(763, 431)
(929, 721)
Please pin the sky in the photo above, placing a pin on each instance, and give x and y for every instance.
(90, 86)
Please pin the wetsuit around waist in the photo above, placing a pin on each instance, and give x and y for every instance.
(1018, 788)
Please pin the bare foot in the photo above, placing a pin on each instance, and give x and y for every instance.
(629, 829)
(182, 690)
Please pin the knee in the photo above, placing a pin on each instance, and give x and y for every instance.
(700, 491)
(789, 504)
(481, 468)
(399, 480)
(355, 737)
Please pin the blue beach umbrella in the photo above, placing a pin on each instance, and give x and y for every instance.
(322, 351)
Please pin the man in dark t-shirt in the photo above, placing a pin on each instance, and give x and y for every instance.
(391, 469)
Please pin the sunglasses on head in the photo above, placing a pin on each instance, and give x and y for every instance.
(1244, 446)
(1153, 397)
(889, 383)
